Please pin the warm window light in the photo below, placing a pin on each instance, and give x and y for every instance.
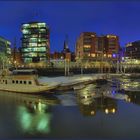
(104, 55)
(109, 55)
(87, 46)
(93, 54)
(129, 44)
(111, 36)
(89, 54)
(92, 35)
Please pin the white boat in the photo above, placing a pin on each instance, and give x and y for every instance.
(23, 81)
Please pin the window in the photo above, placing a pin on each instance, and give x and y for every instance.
(16, 81)
(13, 81)
(30, 82)
(20, 82)
(24, 82)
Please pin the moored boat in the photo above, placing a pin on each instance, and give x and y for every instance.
(23, 81)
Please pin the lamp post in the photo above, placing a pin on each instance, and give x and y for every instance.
(15, 64)
(81, 68)
(67, 66)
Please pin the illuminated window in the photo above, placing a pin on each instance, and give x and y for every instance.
(42, 30)
(129, 44)
(87, 46)
(111, 36)
(33, 40)
(93, 54)
(25, 31)
(32, 44)
(109, 55)
(33, 25)
(41, 24)
(34, 35)
(25, 25)
(93, 35)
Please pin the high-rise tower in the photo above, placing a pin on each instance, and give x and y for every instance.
(35, 42)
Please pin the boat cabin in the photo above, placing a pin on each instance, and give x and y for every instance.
(20, 77)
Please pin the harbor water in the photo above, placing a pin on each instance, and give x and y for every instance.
(104, 111)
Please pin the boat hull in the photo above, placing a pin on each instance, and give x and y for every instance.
(28, 89)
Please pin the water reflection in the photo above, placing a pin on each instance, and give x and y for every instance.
(131, 89)
(61, 114)
(92, 99)
(33, 112)
(106, 105)
(104, 98)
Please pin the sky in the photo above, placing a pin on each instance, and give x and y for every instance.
(71, 18)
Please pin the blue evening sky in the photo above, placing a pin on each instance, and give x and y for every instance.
(72, 17)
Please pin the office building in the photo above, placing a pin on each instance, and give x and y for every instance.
(133, 50)
(35, 42)
(5, 52)
(5, 46)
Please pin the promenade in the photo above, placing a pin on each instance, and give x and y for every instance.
(67, 82)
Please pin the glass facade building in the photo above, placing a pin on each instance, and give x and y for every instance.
(5, 46)
(5, 52)
(35, 42)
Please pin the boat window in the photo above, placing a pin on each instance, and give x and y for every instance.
(24, 72)
(24, 82)
(16, 81)
(30, 82)
(20, 82)
(13, 81)
(5, 81)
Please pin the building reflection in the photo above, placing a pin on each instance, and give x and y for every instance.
(134, 97)
(94, 101)
(102, 104)
(33, 112)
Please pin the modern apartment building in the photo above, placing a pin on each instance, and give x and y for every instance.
(133, 50)
(35, 42)
(86, 46)
(89, 46)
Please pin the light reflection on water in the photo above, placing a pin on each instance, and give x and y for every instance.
(96, 111)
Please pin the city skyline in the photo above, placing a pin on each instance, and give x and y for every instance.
(71, 18)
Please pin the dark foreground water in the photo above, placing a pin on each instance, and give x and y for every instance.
(96, 111)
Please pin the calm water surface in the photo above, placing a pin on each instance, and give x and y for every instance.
(96, 111)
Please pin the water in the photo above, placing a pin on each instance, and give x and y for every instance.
(96, 111)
